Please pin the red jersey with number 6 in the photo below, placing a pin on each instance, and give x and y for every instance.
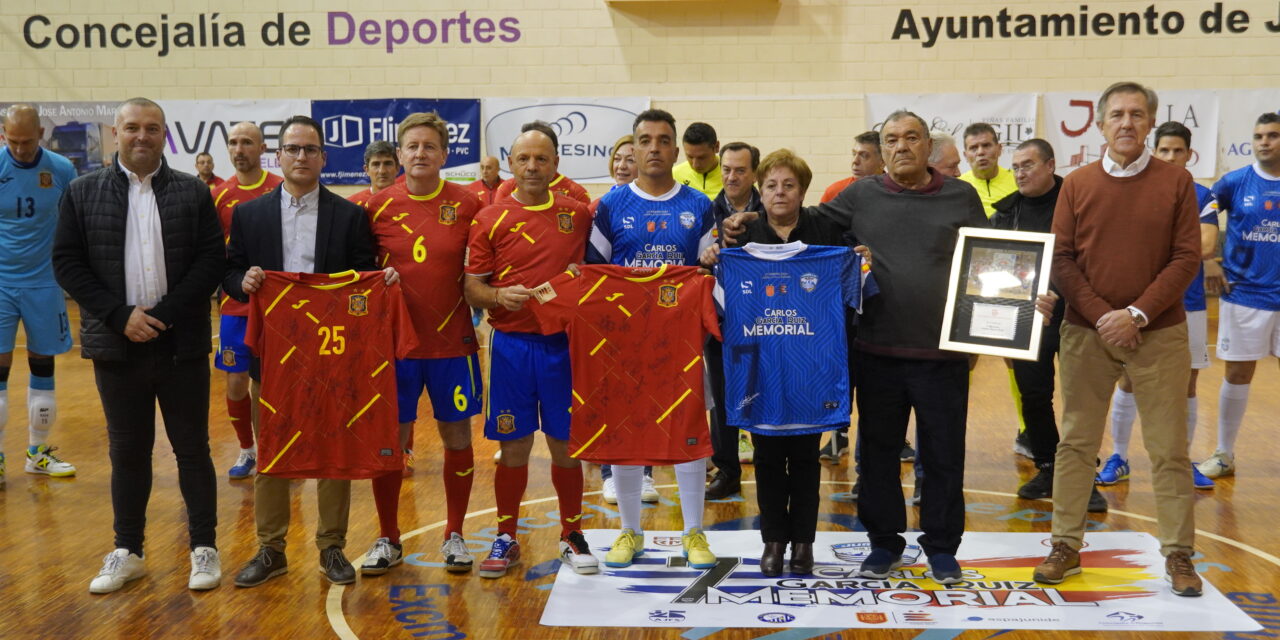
(636, 336)
(328, 345)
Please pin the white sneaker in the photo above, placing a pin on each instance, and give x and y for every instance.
(45, 463)
(648, 492)
(457, 557)
(609, 491)
(381, 557)
(118, 567)
(1218, 465)
(206, 569)
(575, 552)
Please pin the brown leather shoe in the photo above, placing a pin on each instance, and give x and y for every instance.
(1062, 561)
(722, 487)
(1181, 574)
(802, 558)
(771, 559)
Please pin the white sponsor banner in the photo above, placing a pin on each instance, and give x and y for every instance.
(1240, 110)
(587, 128)
(1122, 588)
(197, 126)
(1070, 122)
(1013, 115)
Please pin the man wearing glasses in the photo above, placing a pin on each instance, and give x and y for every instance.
(299, 227)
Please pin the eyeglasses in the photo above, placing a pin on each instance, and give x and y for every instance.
(297, 150)
(1024, 168)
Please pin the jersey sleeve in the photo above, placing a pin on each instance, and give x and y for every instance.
(253, 332)
(708, 234)
(707, 305)
(850, 279)
(64, 174)
(479, 256)
(554, 302)
(600, 246)
(579, 192)
(1224, 191)
(405, 338)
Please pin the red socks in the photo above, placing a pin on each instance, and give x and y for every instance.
(509, 484)
(568, 484)
(458, 475)
(386, 497)
(241, 414)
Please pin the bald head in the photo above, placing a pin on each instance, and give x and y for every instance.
(534, 163)
(245, 146)
(22, 132)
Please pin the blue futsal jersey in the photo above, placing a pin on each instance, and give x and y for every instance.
(634, 229)
(1193, 299)
(785, 351)
(1251, 257)
(29, 197)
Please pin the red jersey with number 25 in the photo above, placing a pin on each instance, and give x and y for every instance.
(225, 198)
(328, 345)
(635, 344)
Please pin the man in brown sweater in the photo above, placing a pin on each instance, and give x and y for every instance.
(1127, 246)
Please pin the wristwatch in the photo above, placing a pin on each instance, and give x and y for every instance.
(1139, 318)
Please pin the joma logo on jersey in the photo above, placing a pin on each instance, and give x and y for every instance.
(667, 295)
(448, 213)
(564, 222)
(358, 304)
(506, 423)
(46, 180)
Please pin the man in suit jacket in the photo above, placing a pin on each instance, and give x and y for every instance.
(298, 227)
(139, 248)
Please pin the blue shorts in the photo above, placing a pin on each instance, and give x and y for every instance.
(233, 355)
(43, 311)
(532, 386)
(453, 384)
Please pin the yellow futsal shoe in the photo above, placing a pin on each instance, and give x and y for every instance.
(697, 551)
(629, 545)
(45, 463)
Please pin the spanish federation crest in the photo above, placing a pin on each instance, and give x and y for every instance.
(46, 180)
(228, 358)
(667, 295)
(506, 423)
(358, 304)
(448, 213)
(564, 221)
(809, 282)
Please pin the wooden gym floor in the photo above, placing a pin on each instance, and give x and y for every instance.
(55, 531)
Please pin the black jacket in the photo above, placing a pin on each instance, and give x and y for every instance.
(1017, 212)
(343, 239)
(88, 260)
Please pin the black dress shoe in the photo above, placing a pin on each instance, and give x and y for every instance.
(335, 567)
(802, 557)
(722, 487)
(771, 559)
(268, 564)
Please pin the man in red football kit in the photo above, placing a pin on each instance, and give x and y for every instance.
(489, 181)
(559, 183)
(420, 228)
(515, 245)
(245, 146)
(381, 165)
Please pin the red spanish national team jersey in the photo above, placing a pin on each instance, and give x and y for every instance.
(559, 184)
(511, 244)
(363, 196)
(425, 239)
(328, 345)
(225, 197)
(482, 192)
(636, 336)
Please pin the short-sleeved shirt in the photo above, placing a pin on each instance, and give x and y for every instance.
(1194, 299)
(482, 192)
(634, 229)
(364, 196)
(513, 243)
(226, 197)
(560, 184)
(425, 238)
(994, 190)
(708, 184)
(29, 195)
(1251, 254)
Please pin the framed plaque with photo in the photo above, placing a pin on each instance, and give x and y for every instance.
(991, 298)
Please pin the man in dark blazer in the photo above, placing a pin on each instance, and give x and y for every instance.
(138, 247)
(298, 227)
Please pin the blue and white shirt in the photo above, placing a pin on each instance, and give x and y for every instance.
(1251, 257)
(634, 229)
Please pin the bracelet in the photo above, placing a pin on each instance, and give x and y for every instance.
(496, 302)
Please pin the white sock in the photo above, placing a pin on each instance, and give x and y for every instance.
(692, 484)
(41, 412)
(1124, 410)
(1232, 400)
(1192, 406)
(627, 480)
(4, 415)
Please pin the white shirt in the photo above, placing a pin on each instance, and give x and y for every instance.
(1113, 168)
(145, 279)
(298, 217)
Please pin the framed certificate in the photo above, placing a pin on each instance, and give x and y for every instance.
(991, 298)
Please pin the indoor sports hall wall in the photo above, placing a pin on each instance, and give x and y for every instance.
(775, 73)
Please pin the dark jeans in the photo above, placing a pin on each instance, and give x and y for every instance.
(788, 476)
(1035, 383)
(129, 392)
(724, 438)
(888, 390)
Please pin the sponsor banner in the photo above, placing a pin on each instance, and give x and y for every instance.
(1240, 110)
(1013, 115)
(81, 131)
(587, 128)
(350, 125)
(1122, 588)
(201, 126)
(1070, 121)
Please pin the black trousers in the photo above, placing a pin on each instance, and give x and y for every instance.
(129, 392)
(888, 390)
(788, 476)
(1035, 384)
(724, 438)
